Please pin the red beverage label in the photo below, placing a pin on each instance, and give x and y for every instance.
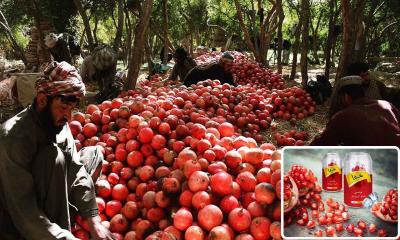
(332, 178)
(357, 186)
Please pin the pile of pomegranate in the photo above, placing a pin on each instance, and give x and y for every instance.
(181, 164)
(304, 205)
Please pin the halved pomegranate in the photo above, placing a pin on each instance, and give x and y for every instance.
(290, 193)
(387, 209)
(303, 177)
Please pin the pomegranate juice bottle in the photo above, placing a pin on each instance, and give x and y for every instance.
(332, 172)
(357, 178)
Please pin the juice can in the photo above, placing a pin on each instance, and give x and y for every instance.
(357, 178)
(332, 175)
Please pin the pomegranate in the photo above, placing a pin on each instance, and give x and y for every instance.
(265, 193)
(239, 219)
(198, 181)
(209, 217)
(260, 228)
(228, 203)
(387, 209)
(221, 183)
(183, 219)
(219, 233)
(246, 181)
(119, 224)
(130, 210)
(194, 233)
(290, 193)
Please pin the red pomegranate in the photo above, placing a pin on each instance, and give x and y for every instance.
(130, 210)
(209, 217)
(120, 192)
(246, 181)
(219, 233)
(221, 183)
(260, 228)
(228, 203)
(198, 181)
(239, 219)
(194, 233)
(183, 219)
(119, 224)
(113, 207)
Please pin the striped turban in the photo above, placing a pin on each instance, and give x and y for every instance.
(61, 79)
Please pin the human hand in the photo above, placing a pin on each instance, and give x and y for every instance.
(98, 231)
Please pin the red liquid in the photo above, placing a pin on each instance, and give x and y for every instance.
(333, 182)
(354, 196)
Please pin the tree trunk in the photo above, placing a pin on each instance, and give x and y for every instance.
(86, 24)
(352, 34)
(246, 34)
(138, 45)
(296, 46)
(148, 52)
(96, 23)
(120, 27)
(315, 38)
(128, 42)
(329, 41)
(42, 53)
(305, 11)
(281, 16)
(165, 27)
(16, 47)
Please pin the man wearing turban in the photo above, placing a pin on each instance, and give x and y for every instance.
(44, 181)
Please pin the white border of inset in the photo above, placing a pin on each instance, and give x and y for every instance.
(337, 147)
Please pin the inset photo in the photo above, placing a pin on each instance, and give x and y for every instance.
(340, 192)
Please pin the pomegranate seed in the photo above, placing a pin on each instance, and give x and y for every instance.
(335, 205)
(315, 213)
(305, 217)
(329, 201)
(372, 228)
(304, 202)
(322, 220)
(301, 222)
(317, 197)
(329, 220)
(321, 206)
(339, 227)
(338, 213)
(350, 228)
(310, 224)
(308, 196)
(382, 233)
(314, 206)
(318, 233)
(318, 188)
(337, 219)
(330, 231)
(329, 215)
(358, 232)
(345, 216)
(361, 224)
(329, 210)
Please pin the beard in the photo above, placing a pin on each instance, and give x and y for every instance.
(46, 117)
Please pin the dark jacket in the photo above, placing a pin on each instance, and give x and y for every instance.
(60, 51)
(181, 69)
(213, 71)
(41, 177)
(366, 122)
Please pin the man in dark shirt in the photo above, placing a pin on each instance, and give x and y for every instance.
(220, 70)
(58, 48)
(361, 121)
(373, 88)
(183, 64)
